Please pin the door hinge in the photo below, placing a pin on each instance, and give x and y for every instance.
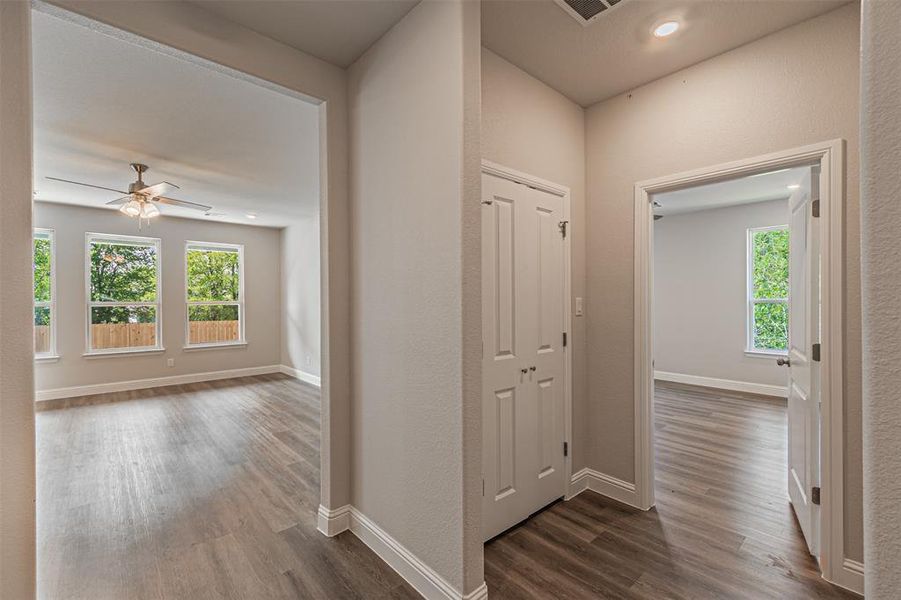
(815, 207)
(565, 448)
(815, 495)
(564, 339)
(562, 225)
(815, 352)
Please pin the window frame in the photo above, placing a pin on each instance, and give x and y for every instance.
(52, 355)
(242, 340)
(751, 301)
(89, 238)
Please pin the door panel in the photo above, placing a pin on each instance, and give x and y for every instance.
(506, 443)
(803, 378)
(503, 282)
(523, 361)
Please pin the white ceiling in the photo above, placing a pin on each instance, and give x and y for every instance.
(617, 52)
(101, 103)
(744, 190)
(337, 31)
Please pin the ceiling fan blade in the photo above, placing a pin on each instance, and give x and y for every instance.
(182, 203)
(158, 189)
(119, 201)
(99, 187)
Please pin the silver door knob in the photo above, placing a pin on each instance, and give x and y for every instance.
(783, 362)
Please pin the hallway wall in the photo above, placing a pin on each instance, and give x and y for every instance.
(416, 317)
(794, 87)
(881, 216)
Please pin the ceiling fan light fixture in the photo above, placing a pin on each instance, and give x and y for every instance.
(148, 211)
(132, 208)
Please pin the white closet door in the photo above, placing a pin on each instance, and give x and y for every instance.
(523, 365)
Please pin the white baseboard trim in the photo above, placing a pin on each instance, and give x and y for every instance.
(152, 382)
(414, 571)
(850, 576)
(724, 384)
(331, 522)
(606, 485)
(302, 375)
(418, 574)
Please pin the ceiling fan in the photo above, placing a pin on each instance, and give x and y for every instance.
(141, 199)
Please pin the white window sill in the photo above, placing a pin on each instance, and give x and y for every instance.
(193, 347)
(46, 358)
(114, 353)
(765, 354)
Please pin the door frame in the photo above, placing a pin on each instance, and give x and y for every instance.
(307, 84)
(830, 157)
(492, 168)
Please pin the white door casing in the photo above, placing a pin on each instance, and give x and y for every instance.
(803, 369)
(523, 321)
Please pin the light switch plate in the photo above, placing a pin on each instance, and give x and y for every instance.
(578, 307)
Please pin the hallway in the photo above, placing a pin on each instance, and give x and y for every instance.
(722, 527)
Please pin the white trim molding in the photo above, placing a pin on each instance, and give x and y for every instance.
(829, 156)
(724, 384)
(302, 375)
(331, 522)
(851, 577)
(152, 382)
(606, 485)
(417, 573)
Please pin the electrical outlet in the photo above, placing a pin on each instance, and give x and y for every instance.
(170, 362)
(309, 360)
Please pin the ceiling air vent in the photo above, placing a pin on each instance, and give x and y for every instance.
(586, 11)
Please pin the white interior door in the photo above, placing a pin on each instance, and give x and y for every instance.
(523, 407)
(803, 359)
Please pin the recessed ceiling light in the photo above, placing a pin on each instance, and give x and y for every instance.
(251, 215)
(666, 29)
(794, 186)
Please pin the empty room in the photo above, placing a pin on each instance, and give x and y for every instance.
(451, 299)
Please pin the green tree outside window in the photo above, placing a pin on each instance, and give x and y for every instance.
(769, 289)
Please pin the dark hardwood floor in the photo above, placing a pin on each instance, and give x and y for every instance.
(207, 490)
(210, 490)
(722, 527)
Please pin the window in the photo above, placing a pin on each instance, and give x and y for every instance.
(768, 290)
(44, 294)
(214, 282)
(123, 290)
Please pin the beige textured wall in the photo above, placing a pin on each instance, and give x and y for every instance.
(407, 113)
(186, 27)
(700, 293)
(794, 87)
(533, 128)
(300, 280)
(17, 481)
(261, 305)
(881, 249)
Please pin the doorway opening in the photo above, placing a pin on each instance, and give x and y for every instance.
(792, 318)
(178, 348)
